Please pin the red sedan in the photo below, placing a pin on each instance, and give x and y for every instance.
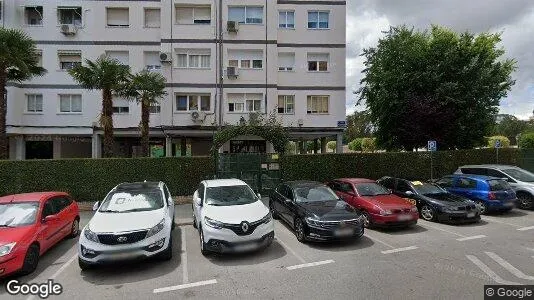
(379, 206)
(30, 224)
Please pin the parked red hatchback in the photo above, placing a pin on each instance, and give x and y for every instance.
(379, 206)
(30, 224)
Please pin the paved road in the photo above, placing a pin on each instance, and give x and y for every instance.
(428, 261)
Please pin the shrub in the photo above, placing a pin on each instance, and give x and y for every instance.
(505, 142)
(526, 141)
(368, 145)
(356, 145)
(331, 145)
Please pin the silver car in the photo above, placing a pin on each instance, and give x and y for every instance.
(522, 181)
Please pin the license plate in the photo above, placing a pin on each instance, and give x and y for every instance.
(123, 256)
(509, 204)
(404, 217)
(245, 247)
(344, 232)
(470, 215)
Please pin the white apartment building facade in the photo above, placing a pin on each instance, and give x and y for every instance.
(223, 60)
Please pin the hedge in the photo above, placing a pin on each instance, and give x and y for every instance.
(91, 179)
(409, 165)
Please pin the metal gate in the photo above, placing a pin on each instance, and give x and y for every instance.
(259, 170)
(527, 159)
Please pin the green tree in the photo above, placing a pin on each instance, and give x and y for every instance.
(356, 144)
(505, 142)
(331, 145)
(358, 125)
(434, 85)
(146, 88)
(109, 76)
(368, 145)
(19, 61)
(526, 141)
(510, 126)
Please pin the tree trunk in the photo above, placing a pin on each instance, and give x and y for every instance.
(3, 114)
(106, 121)
(145, 120)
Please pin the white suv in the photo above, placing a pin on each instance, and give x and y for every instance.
(135, 220)
(230, 217)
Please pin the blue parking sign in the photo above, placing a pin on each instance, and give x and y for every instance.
(432, 146)
(498, 144)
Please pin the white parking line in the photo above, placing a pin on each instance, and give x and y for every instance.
(489, 272)
(467, 238)
(441, 229)
(313, 264)
(184, 286)
(399, 250)
(59, 271)
(486, 218)
(525, 228)
(509, 267)
(290, 250)
(185, 275)
(377, 240)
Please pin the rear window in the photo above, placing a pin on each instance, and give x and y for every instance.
(498, 185)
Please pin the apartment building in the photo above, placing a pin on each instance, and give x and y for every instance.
(223, 60)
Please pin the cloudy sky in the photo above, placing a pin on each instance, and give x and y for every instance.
(367, 19)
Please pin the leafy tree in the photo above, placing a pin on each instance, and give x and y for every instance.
(510, 126)
(505, 142)
(109, 76)
(331, 145)
(146, 88)
(356, 144)
(526, 141)
(359, 125)
(291, 148)
(434, 85)
(368, 145)
(19, 61)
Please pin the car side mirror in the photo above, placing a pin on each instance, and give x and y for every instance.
(96, 205)
(197, 199)
(409, 193)
(51, 218)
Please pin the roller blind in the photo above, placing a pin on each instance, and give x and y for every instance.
(118, 16)
(152, 17)
(286, 59)
(317, 56)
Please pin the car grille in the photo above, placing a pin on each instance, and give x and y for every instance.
(401, 211)
(118, 239)
(337, 224)
(467, 208)
(238, 228)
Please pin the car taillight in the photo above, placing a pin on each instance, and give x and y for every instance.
(492, 196)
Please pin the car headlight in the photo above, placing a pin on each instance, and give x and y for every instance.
(7, 248)
(386, 212)
(266, 219)
(314, 222)
(90, 235)
(414, 209)
(213, 223)
(154, 230)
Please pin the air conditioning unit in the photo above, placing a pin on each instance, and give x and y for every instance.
(232, 72)
(68, 29)
(232, 26)
(198, 116)
(165, 57)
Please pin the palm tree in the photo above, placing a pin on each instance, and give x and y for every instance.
(146, 88)
(19, 61)
(110, 76)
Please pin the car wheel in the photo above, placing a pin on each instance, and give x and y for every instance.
(83, 265)
(173, 225)
(366, 220)
(428, 213)
(482, 206)
(299, 231)
(273, 212)
(167, 254)
(195, 222)
(31, 260)
(75, 228)
(525, 201)
(203, 248)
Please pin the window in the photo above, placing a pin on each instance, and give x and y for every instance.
(318, 19)
(70, 15)
(475, 171)
(200, 15)
(388, 183)
(40, 58)
(346, 188)
(466, 183)
(245, 102)
(152, 17)
(118, 16)
(70, 103)
(34, 103)
(152, 62)
(245, 59)
(318, 62)
(69, 59)
(403, 186)
(121, 106)
(122, 57)
(446, 182)
(193, 58)
(286, 104)
(155, 108)
(286, 19)
(285, 191)
(286, 61)
(193, 102)
(33, 15)
(61, 203)
(318, 104)
(246, 14)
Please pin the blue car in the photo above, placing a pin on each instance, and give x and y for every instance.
(489, 193)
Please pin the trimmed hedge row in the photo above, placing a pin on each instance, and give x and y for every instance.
(409, 165)
(91, 179)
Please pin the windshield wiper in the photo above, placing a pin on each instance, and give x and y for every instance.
(5, 225)
(137, 209)
(110, 211)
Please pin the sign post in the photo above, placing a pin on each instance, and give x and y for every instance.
(432, 147)
(498, 145)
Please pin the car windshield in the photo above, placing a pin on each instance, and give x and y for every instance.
(18, 214)
(130, 201)
(314, 193)
(371, 189)
(498, 185)
(520, 174)
(230, 195)
(428, 189)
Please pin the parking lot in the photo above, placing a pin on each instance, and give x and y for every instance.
(429, 260)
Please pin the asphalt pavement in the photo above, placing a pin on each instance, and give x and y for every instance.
(427, 261)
